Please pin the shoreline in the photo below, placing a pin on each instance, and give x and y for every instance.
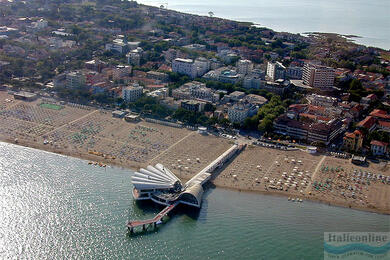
(354, 38)
(135, 166)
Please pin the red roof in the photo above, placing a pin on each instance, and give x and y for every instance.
(315, 117)
(380, 114)
(378, 143)
(379, 111)
(357, 108)
(349, 135)
(354, 134)
(384, 124)
(358, 132)
(368, 122)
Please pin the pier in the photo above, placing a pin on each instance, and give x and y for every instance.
(144, 223)
(159, 184)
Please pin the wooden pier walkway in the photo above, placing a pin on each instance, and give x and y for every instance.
(132, 224)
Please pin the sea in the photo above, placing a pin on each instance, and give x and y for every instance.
(367, 19)
(58, 207)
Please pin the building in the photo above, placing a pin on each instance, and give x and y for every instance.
(258, 73)
(380, 115)
(170, 102)
(253, 82)
(26, 96)
(276, 70)
(195, 90)
(236, 96)
(255, 100)
(163, 77)
(325, 133)
(121, 71)
(294, 72)
(384, 126)
(240, 111)
(318, 76)
(369, 99)
(75, 79)
(132, 93)
(368, 123)
(118, 45)
(185, 66)
(317, 132)
(39, 24)
(193, 105)
(132, 118)
(244, 67)
(229, 76)
(133, 45)
(278, 87)
(202, 66)
(95, 65)
(195, 47)
(227, 56)
(159, 93)
(324, 101)
(119, 114)
(290, 127)
(199, 91)
(358, 160)
(134, 57)
(378, 147)
(353, 141)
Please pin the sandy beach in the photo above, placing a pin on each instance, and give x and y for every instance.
(96, 136)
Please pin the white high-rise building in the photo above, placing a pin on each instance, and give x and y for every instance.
(202, 66)
(276, 71)
(239, 112)
(244, 67)
(318, 76)
(132, 93)
(185, 66)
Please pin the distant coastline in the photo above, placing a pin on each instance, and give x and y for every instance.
(283, 17)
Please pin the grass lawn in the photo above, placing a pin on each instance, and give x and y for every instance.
(51, 106)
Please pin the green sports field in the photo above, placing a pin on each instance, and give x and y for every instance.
(51, 106)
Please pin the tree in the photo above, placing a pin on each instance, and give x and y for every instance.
(251, 123)
(265, 125)
(209, 107)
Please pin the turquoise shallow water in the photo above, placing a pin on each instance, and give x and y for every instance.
(57, 207)
(368, 19)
